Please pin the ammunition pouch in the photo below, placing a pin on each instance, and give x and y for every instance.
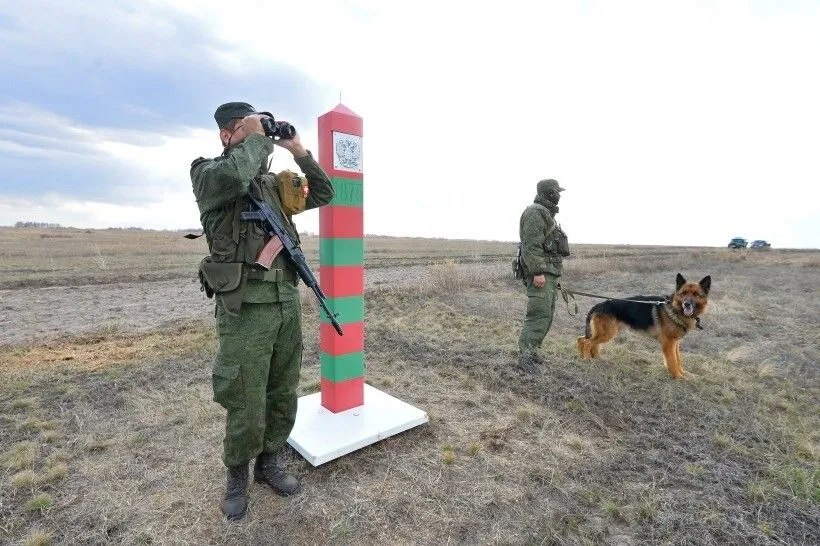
(228, 280)
(561, 241)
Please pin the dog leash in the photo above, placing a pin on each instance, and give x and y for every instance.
(652, 302)
(567, 294)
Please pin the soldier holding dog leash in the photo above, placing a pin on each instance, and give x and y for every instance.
(539, 264)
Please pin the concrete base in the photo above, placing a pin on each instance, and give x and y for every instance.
(321, 436)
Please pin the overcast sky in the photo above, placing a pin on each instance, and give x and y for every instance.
(669, 122)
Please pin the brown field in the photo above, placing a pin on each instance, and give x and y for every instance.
(108, 433)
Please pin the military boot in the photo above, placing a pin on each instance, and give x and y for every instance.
(235, 503)
(266, 470)
(528, 362)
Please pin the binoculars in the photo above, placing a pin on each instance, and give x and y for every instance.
(281, 129)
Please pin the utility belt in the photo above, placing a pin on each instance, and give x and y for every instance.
(229, 280)
(269, 275)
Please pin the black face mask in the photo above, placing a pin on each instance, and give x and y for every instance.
(553, 196)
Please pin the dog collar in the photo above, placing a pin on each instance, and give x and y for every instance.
(674, 317)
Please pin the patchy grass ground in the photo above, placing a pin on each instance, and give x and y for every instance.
(113, 437)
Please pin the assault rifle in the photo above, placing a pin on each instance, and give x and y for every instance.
(280, 238)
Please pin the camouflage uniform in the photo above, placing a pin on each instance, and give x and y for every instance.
(540, 256)
(256, 371)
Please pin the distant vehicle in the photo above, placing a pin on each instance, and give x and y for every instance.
(738, 242)
(760, 244)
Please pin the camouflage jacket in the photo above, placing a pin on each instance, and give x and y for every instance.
(539, 249)
(220, 185)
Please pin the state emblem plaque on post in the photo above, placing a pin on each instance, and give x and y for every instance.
(347, 152)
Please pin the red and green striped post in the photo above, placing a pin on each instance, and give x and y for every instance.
(341, 260)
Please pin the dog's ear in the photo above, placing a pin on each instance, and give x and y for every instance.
(679, 281)
(706, 283)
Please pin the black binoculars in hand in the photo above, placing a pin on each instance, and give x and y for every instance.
(281, 129)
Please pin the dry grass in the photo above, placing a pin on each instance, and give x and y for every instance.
(33, 257)
(103, 350)
(54, 474)
(64, 257)
(21, 455)
(23, 479)
(609, 451)
(37, 539)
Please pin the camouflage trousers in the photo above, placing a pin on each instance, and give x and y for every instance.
(255, 376)
(540, 309)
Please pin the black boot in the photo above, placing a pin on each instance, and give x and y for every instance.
(235, 503)
(266, 470)
(529, 361)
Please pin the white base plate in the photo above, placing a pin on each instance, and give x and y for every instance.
(321, 435)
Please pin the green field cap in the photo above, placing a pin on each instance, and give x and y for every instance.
(232, 110)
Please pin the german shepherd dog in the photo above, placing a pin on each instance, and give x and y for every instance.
(667, 322)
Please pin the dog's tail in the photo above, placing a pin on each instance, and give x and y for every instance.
(588, 328)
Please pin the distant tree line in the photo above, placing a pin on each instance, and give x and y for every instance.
(37, 224)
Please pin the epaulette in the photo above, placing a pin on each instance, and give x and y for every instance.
(197, 161)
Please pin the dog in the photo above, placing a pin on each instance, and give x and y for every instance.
(667, 319)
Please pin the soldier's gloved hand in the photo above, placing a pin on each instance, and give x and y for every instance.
(539, 281)
(293, 145)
